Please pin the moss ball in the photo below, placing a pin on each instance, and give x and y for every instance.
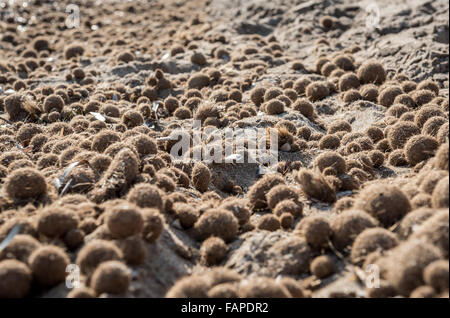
(330, 159)
(442, 157)
(348, 81)
(339, 125)
(388, 95)
(423, 292)
(82, 292)
(217, 222)
(436, 275)
(371, 240)
(288, 206)
(257, 192)
(434, 230)
(397, 158)
(407, 263)
(305, 107)
(153, 225)
(55, 222)
(397, 110)
(317, 90)
(25, 183)
(48, 264)
(315, 186)
(274, 107)
(286, 220)
(387, 203)
(351, 95)
(371, 72)
(348, 225)
(15, 279)
(328, 68)
(422, 97)
(316, 230)
(257, 95)
(96, 252)
(425, 113)
(329, 142)
(268, 222)
(213, 251)
(198, 81)
(432, 125)
(132, 119)
(189, 287)
(429, 85)
(112, 277)
(400, 133)
(53, 103)
(323, 266)
(419, 148)
(201, 177)
(124, 220)
(133, 249)
(146, 196)
(20, 248)
(262, 287)
(186, 214)
(442, 135)
(369, 92)
(377, 158)
(279, 193)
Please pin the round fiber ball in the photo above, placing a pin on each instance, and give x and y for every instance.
(132, 118)
(286, 220)
(96, 252)
(288, 206)
(262, 287)
(186, 214)
(423, 292)
(268, 222)
(377, 158)
(133, 249)
(217, 222)
(112, 277)
(388, 95)
(331, 159)
(53, 103)
(436, 275)
(432, 125)
(56, 221)
(316, 230)
(434, 230)
(387, 203)
(369, 92)
(305, 107)
(422, 97)
(20, 248)
(279, 193)
(124, 220)
(25, 183)
(317, 91)
(213, 251)
(442, 135)
(347, 226)
(153, 225)
(429, 85)
(201, 177)
(190, 287)
(257, 95)
(257, 192)
(425, 113)
(274, 107)
(329, 142)
(411, 221)
(407, 263)
(339, 125)
(323, 266)
(442, 157)
(348, 81)
(419, 148)
(15, 279)
(371, 240)
(82, 292)
(400, 133)
(397, 158)
(48, 264)
(371, 72)
(145, 195)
